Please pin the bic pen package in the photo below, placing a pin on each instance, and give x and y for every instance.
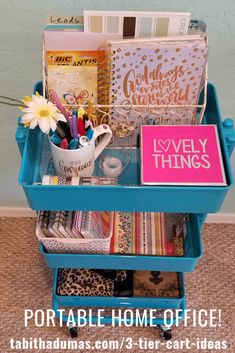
(73, 74)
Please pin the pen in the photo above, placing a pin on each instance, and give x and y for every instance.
(58, 103)
(64, 144)
(55, 139)
(90, 106)
(87, 123)
(80, 112)
(74, 124)
(61, 133)
(73, 144)
(81, 128)
(89, 133)
(65, 127)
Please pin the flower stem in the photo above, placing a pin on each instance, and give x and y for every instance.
(11, 99)
(13, 104)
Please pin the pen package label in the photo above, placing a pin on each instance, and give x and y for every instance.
(73, 58)
(73, 75)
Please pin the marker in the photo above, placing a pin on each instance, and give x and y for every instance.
(81, 128)
(61, 133)
(80, 112)
(85, 117)
(89, 134)
(74, 124)
(88, 125)
(56, 139)
(90, 106)
(73, 144)
(64, 126)
(64, 144)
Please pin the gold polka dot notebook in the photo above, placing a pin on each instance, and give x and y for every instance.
(164, 72)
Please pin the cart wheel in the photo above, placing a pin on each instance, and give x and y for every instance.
(165, 332)
(73, 332)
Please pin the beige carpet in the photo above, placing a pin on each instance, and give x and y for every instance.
(27, 283)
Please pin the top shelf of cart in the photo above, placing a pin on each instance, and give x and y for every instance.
(128, 195)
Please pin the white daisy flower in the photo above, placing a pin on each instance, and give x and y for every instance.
(41, 112)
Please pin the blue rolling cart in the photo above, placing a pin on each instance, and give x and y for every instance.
(127, 196)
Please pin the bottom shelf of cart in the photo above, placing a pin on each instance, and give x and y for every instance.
(131, 304)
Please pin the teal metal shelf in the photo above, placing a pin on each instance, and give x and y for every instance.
(186, 263)
(129, 195)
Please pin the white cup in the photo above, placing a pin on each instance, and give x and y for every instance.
(80, 162)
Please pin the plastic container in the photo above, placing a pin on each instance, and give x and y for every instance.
(186, 263)
(79, 245)
(130, 195)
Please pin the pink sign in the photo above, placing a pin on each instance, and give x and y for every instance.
(181, 155)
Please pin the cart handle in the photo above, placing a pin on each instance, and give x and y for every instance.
(20, 136)
(21, 131)
(229, 134)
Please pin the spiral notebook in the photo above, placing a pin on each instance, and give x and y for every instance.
(167, 71)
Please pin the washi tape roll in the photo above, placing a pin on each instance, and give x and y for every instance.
(94, 180)
(58, 180)
(112, 167)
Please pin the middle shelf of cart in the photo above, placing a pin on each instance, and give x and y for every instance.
(185, 263)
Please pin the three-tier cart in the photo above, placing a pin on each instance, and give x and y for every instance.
(127, 196)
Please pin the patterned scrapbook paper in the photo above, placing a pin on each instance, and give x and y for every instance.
(96, 224)
(51, 222)
(76, 227)
(69, 224)
(123, 231)
(160, 72)
(87, 282)
(83, 282)
(42, 223)
(145, 233)
(93, 224)
(156, 284)
(59, 223)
